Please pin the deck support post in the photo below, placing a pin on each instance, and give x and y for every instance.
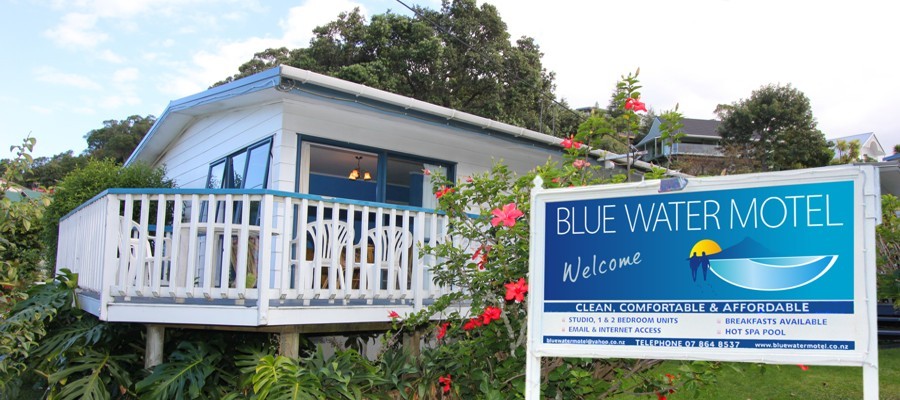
(413, 342)
(289, 344)
(153, 354)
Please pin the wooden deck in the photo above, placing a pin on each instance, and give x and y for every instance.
(256, 259)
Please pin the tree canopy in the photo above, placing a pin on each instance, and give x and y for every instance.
(774, 128)
(458, 57)
(117, 139)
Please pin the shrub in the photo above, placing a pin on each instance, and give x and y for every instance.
(84, 183)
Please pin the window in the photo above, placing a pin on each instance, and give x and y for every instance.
(244, 169)
(394, 178)
(247, 168)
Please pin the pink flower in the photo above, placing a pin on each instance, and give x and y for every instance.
(635, 104)
(570, 142)
(490, 313)
(444, 190)
(426, 171)
(803, 367)
(516, 290)
(580, 163)
(393, 315)
(469, 179)
(555, 180)
(442, 330)
(507, 216)
(445, 382)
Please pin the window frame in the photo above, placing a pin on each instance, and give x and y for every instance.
(381, 170)
(228, 173)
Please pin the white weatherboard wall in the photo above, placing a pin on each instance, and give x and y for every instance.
(215, 136)
(361, 125)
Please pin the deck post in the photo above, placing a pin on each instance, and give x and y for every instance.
(289, 344)
(153, 354)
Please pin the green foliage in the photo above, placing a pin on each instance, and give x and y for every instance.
(118, 139)
(84, 183)
(22, 330)
(187, 375)
(92, 374)
(888, 237)
(19, 227)
(459, 57)
(775, 128)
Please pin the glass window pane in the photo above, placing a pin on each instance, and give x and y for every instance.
(330, 170)
(238, 163)
(257, 165)
(216, 176)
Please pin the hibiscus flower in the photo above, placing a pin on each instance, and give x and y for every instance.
(506, 216)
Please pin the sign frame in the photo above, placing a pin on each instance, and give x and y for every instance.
(866, 215)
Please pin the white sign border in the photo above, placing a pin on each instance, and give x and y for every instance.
(867, 193)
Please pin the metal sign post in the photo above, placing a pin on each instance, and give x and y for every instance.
(773, 267)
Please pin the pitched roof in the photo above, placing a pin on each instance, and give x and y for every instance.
(692, 127)
(862, 137)
(283, 82)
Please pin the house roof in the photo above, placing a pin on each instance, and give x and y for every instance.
(692, 127)
(284, 82)
(867, 139)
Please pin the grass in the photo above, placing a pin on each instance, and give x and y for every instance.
(779, 382)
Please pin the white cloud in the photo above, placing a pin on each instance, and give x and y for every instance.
(78, 30)
(301, 20)
(126, 75)
(52, 75)
(41, 110)
(209, 67)
(110, 56)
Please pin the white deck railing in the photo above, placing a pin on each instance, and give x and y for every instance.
(254, 246)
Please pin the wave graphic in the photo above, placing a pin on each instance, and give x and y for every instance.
(772, 273)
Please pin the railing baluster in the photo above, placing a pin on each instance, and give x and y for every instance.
(244, 252)
(417, 259)
(286, 228)
(349, 254)
(158, 267)
(211, 212)
(126, 272)
(265, 256)
(334, 261)
(176, 284)
(227, 248)
(304, 286)
(141, 269)
(193, 248)
(378, 239)
(391, 243)
(366, 288)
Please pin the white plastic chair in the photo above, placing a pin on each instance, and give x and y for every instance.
(329, 244)
(394, 243)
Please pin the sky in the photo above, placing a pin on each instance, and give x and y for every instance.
(70, 65)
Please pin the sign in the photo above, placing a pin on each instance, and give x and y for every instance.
(761, 267)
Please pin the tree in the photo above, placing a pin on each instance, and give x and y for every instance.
(775, 127)
(118, 139)
(458, 57)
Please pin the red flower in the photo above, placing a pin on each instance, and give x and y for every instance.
(555, 180)
(660, 396)
(803, 367)
(579, 163)
(516, 290)
(442, 330)
(445, 382)
(444, 190)
(472, 324)
(507, 216)
(635, 104)
(490, 313)
(569, 143)
(482, 255)
(469, 179)
(393, 315)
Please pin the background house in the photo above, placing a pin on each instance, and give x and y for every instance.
(869, 147)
